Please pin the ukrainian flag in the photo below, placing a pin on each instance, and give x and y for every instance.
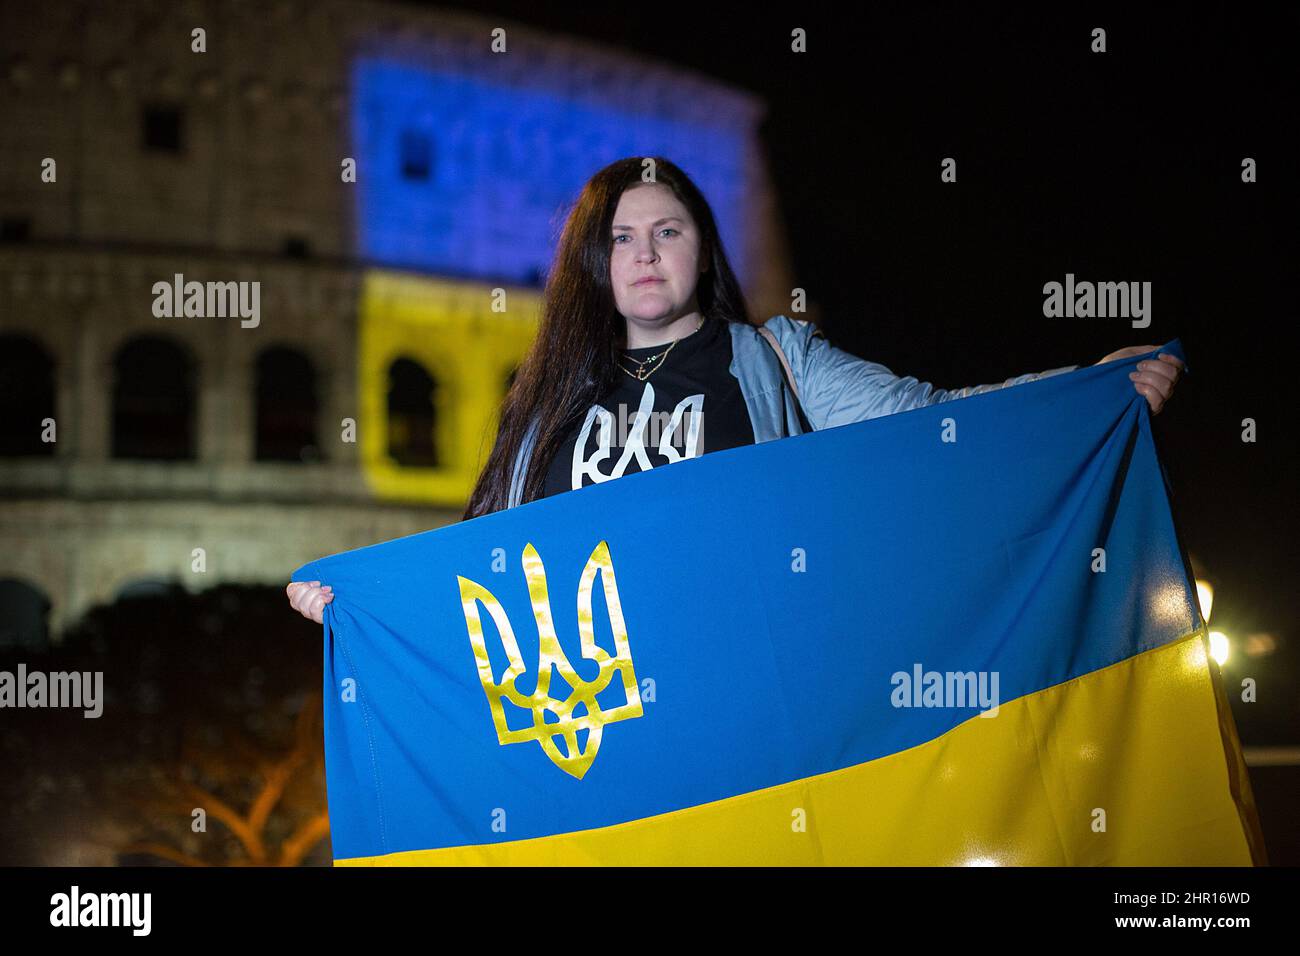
(961, 635)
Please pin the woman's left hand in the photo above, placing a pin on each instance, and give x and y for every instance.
(1154, 378)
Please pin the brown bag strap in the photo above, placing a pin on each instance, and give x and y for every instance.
(785, 364)
(789, 376)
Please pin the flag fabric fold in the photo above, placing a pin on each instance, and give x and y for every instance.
(966, 634)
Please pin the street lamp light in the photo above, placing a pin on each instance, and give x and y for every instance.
(1205, 595)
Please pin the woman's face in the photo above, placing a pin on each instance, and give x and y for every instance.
(654, 235)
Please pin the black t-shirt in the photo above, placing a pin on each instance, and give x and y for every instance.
(641, 425)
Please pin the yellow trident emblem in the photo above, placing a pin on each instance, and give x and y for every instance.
(579, 711)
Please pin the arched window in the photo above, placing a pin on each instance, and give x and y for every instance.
(153, 400)
(26, 395)
(285, 407)
(24, 612)
(411, 414)
(149, 587)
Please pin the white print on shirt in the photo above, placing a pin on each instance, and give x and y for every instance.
(635, 443)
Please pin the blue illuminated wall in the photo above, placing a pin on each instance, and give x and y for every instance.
(463, 177)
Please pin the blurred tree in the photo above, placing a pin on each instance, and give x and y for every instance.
(210, 701)
(241, 767)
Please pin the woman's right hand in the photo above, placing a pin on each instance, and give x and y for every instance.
(309, 598)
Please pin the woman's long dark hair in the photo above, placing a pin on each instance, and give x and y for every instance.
(572, 362)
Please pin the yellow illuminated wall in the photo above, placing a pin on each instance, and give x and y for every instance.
(451, 329)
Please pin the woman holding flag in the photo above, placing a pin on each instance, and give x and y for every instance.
(642, 313)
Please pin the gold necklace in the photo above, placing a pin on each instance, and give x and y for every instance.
(641, 374)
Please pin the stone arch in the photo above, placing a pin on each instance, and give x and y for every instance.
(145, 586)
(286, 406)
(154, 400)
(27, 395)
(24, 615)
(412, 413)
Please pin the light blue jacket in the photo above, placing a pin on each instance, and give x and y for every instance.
(835, 388)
